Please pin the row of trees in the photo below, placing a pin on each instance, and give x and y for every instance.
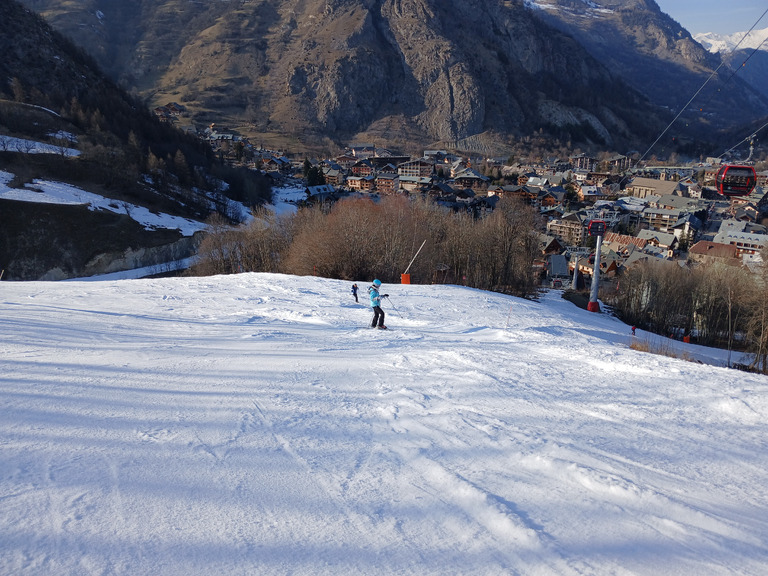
(716, 304)
(358, 239)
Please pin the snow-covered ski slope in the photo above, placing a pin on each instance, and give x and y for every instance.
(252, 424)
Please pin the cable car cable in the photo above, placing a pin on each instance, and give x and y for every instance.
(722, 63)
(735, 71)
(752, 135)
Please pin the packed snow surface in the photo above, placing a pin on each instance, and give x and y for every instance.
(254, 424)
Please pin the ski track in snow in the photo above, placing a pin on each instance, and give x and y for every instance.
(253, 424)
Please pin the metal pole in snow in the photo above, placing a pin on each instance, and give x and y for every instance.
(575, 284)
(593, 306)
(414, 257)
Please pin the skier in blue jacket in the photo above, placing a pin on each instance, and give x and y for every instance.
(378, 313)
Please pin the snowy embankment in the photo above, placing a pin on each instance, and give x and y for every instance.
(47, 192)
(10, 144)
(252, 424)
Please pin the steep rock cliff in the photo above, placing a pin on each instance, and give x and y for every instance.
(398, 71)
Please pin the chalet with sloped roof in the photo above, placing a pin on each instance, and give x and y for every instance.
(414, 183)
(744, 242)
(623, 241)
(333, 176)
(550, 245)
(346, 161)
(644, 187)
(387, 183)
(590, 193)
(673, 202)
(441, 190)
(362, 168)
(361, 183)
(705, 252)
(538, 181)
(667, 243)
(362, 151)
(470, 179)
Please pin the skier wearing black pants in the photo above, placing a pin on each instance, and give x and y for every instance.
(378, 313)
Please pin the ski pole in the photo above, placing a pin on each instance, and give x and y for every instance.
(393, 306)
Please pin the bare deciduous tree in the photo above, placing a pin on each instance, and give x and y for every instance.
(358, 239)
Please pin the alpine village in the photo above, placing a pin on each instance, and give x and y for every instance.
(516, 205)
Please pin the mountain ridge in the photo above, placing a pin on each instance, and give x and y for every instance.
(317, 73)
(723, 43)
(746, 53)
(379, 69)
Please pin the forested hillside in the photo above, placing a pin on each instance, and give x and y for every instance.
(109, 143)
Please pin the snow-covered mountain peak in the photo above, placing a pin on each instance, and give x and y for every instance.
(724, 43)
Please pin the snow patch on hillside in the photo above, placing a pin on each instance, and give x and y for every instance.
(47, 192)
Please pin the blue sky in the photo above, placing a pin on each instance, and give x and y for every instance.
(721, 16)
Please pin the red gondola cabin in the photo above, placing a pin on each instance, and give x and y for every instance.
(736, 180)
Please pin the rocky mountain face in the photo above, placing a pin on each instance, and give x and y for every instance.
(404, 73)
(659, 58)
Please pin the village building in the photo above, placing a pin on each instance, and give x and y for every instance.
(660, 219)
(705, 252)
(276, 164)
(387, 183)
(745, 242)
(362, 168)
(665, 242)
(333, 176)
(387, 163)
(583, 162)
(414, 183)
(363, 151)
(645, 187)
(321, 194)
(569, 228)
(550, 245)
(470, 179)
(537, 181)
(416, 169)
(590, 193)
(623, 243)
(619, 163)
(361, 183)
(674, 202)
(346, 161)
(550, 198)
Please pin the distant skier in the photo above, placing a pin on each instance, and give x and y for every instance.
(354, 292)
(633, 330)
(378, 313)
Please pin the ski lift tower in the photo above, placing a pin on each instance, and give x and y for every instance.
(596, 228)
